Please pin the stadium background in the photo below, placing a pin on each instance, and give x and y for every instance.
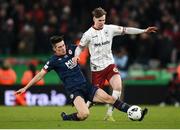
(25, 28)
(151, 73)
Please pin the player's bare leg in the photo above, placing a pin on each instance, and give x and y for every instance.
(116, 84)
(102, 97)
(82, 110)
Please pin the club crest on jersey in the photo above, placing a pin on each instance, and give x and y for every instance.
(115, 70)
(106, 33)
(70, 52)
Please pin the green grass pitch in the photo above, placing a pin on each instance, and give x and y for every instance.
(49, 118)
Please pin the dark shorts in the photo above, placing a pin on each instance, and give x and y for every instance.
(86, 91)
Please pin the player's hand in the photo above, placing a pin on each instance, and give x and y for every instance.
(151, 29)
(75, 59)
(20, 91)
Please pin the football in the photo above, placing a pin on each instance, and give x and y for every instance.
(134, 113)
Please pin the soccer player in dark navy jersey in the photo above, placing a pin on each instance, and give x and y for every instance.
(67, 71)
(74, 82)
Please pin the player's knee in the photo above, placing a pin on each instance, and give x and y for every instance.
(84, 114)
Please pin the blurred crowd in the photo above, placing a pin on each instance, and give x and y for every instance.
(26, 25)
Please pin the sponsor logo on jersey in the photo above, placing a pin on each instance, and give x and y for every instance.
(94, 36)
(97, 44)
(70, 64)
(103, 43)
(106, 42)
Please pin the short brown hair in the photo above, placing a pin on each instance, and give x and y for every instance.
(55, 39)
(98, 12)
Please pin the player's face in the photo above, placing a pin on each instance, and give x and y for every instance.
(60, 48)
(99, 22)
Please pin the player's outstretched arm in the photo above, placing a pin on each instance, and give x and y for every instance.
(38, 77)
(75, 59)
(131, 30)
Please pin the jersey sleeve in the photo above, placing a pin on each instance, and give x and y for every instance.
(116, 30)
(48, 66)
(85, 40)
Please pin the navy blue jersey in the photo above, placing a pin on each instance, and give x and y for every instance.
(68, 72)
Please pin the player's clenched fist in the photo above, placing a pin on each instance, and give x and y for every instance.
(75, 59)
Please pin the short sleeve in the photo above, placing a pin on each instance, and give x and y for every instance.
(85, 40)
(48, 66)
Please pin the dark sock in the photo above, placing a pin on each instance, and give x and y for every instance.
(122, 106)
(72, 116)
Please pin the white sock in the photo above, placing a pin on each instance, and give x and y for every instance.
(88, 103)
(116, 94)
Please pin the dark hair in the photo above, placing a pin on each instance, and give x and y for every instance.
(98, 12)
(55, 39)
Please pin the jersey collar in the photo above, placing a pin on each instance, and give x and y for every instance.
(96, 28)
